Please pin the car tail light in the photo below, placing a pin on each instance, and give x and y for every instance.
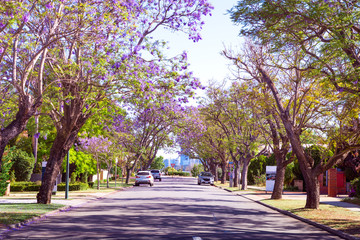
(148, 177)
(137, 177)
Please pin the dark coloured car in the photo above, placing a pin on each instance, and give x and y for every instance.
(206, 177)
(156, 174)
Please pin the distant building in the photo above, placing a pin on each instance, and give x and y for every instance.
(183, 162)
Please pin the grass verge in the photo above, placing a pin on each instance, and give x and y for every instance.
(11, 213)
(335, 217)
(233, 189)
(352, 200)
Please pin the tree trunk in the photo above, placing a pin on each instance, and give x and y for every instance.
(62, 143)
(128, 173)
(223, 175)
(107, 178)
(97, 173)
(25, 110)
(213, 168)
(312, 190)
(236, 177)
(244, 174)
(279, 181)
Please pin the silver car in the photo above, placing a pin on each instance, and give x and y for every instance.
(206, 177)
(144, 177)
(156, 174)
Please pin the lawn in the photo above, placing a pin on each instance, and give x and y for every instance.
(352, 200)
(233, 189)
(11, 213)
(335, 217)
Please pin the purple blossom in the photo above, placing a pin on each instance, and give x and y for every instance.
(49, 5)
(37, 135)
(26, 18)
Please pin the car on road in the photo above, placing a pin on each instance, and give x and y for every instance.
(156, 174)
(206, 177)
(144, 177)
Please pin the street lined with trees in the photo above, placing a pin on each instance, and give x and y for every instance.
(88, 78)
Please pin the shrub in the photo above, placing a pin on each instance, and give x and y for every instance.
(197, 168)
(91, 184)
(256, 168)
(23, 163)
(73, 186)
(73, 177)
(260, 180)
(24, 186)
(4, 175)
(355, 188)
(32, 188)
(16, 188)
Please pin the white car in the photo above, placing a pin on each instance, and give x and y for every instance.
(144, 177)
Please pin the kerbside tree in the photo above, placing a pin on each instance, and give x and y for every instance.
(104, 58)
(233, 111)
(302, 103)
(27, 29)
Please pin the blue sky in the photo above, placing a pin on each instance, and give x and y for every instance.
(204, 56)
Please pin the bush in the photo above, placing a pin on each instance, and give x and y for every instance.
(23, 163)
(260, 180)
(256, 168)
(91, 184)
(4, 175)
(16, 188)
(197, 168)
(73, 186)
(24, 186)
(355, 188)
(32, 188)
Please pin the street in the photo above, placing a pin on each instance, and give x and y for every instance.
(176, 208)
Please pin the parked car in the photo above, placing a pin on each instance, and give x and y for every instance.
(144, 177)
(156, 174)
(206, 177)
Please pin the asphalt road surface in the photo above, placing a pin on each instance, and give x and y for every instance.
(176, 208)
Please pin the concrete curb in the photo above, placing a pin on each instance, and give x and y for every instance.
(17, 226)
(287, 213)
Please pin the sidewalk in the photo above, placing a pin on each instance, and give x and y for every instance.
(258, 194)
(324, 199)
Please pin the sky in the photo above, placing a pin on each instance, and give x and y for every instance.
(204, 57)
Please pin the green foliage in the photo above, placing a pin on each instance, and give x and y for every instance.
(12, 176)
(25, 187)
(260, 180)
(73, 186)
(22, 163)
(91, 184)
(318, 153)
(197, 169)
(173, 172)
(4, 175)
(73, 177)
(289, 174)
(158, 163)
(256, 168)
(83, 161)
(355, 191)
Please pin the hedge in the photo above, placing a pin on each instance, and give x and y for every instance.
(73, 186)
(24, 187)
(30, 186)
